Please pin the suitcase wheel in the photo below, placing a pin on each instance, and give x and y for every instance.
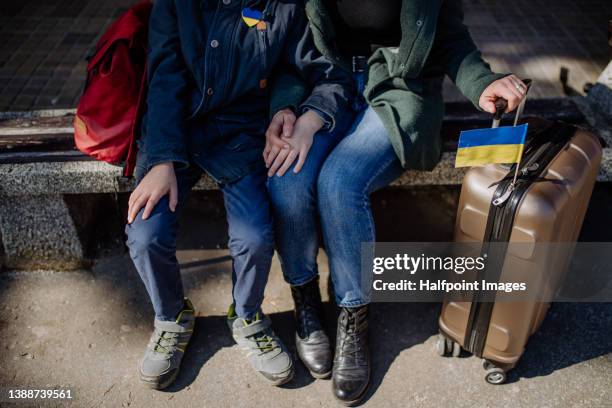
(441, 345)
(456, 349)
(495, 375)
(446, 346)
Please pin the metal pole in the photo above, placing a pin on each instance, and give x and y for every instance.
(519, 112)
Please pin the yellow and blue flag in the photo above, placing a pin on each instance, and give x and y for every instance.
(486, 146)
(251, 17)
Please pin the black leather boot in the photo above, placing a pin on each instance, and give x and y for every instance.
(352, 368)
(311, 342)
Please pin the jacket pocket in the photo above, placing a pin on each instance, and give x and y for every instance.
(244, 142)
(241, 132)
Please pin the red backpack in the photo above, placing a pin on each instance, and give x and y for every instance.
(108, 114)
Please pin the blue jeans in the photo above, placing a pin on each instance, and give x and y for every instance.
(294, 205)
(152, 244)
(334, 184)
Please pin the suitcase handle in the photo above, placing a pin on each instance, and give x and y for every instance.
(501, 105)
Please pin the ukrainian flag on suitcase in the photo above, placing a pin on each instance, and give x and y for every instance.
(486, 146)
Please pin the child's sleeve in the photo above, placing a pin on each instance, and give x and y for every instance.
(332, 87)
(288, 91)
(168, 80)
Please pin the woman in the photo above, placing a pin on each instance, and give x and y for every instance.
(408, 45)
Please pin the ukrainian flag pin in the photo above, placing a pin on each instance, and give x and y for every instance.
(251, 17)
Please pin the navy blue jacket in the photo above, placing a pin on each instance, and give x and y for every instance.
(209, 79)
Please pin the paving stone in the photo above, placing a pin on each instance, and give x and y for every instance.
(530, 37)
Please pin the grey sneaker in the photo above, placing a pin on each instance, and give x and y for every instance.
(263, 348)
(166, 348)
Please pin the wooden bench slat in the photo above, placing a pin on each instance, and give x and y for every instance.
(41, 157)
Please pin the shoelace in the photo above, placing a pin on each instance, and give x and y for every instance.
(165, 343)
(308, 324)
(350, 324)
(264, 342)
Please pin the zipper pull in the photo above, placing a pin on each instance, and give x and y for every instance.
(530, 169)
(504, 197)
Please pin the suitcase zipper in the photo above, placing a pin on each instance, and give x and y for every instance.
(504, 197)
(532, 154)
(502, 211)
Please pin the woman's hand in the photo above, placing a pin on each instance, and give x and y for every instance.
(510, 88)
(158, 182)
(299, 145)
(281, 125)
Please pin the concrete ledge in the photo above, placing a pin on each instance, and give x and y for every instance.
(96, 177)
(42, 227)
(40, 230)
(45, 232)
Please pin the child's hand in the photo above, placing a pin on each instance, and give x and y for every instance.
(510, 88)
(300, 142)
(282, 122)
(158, 182)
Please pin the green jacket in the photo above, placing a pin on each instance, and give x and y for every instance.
(404, 84)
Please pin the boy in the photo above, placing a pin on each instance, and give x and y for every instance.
(207, 108)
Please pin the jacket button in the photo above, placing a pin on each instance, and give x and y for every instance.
(419, 23)
(209, 91)
(214, 43)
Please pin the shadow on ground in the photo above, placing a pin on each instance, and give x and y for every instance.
(571, 333)
(410, 325)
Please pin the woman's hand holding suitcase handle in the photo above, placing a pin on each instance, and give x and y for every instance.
(510, 88)
(503, 106)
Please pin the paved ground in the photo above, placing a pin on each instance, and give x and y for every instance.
(43, 44)
(88, 329)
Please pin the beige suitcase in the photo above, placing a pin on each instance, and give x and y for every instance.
(535, 209)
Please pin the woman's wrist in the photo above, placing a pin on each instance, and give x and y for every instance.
(312, 120)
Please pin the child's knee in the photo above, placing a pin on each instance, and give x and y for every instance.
(253, 241)
(152, 235)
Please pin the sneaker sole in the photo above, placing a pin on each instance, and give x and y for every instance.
(280, 381)
(153, 383)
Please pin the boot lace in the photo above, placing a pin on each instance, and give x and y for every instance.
(351, 338)
(307, 318)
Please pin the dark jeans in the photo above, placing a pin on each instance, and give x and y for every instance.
(152, 244)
